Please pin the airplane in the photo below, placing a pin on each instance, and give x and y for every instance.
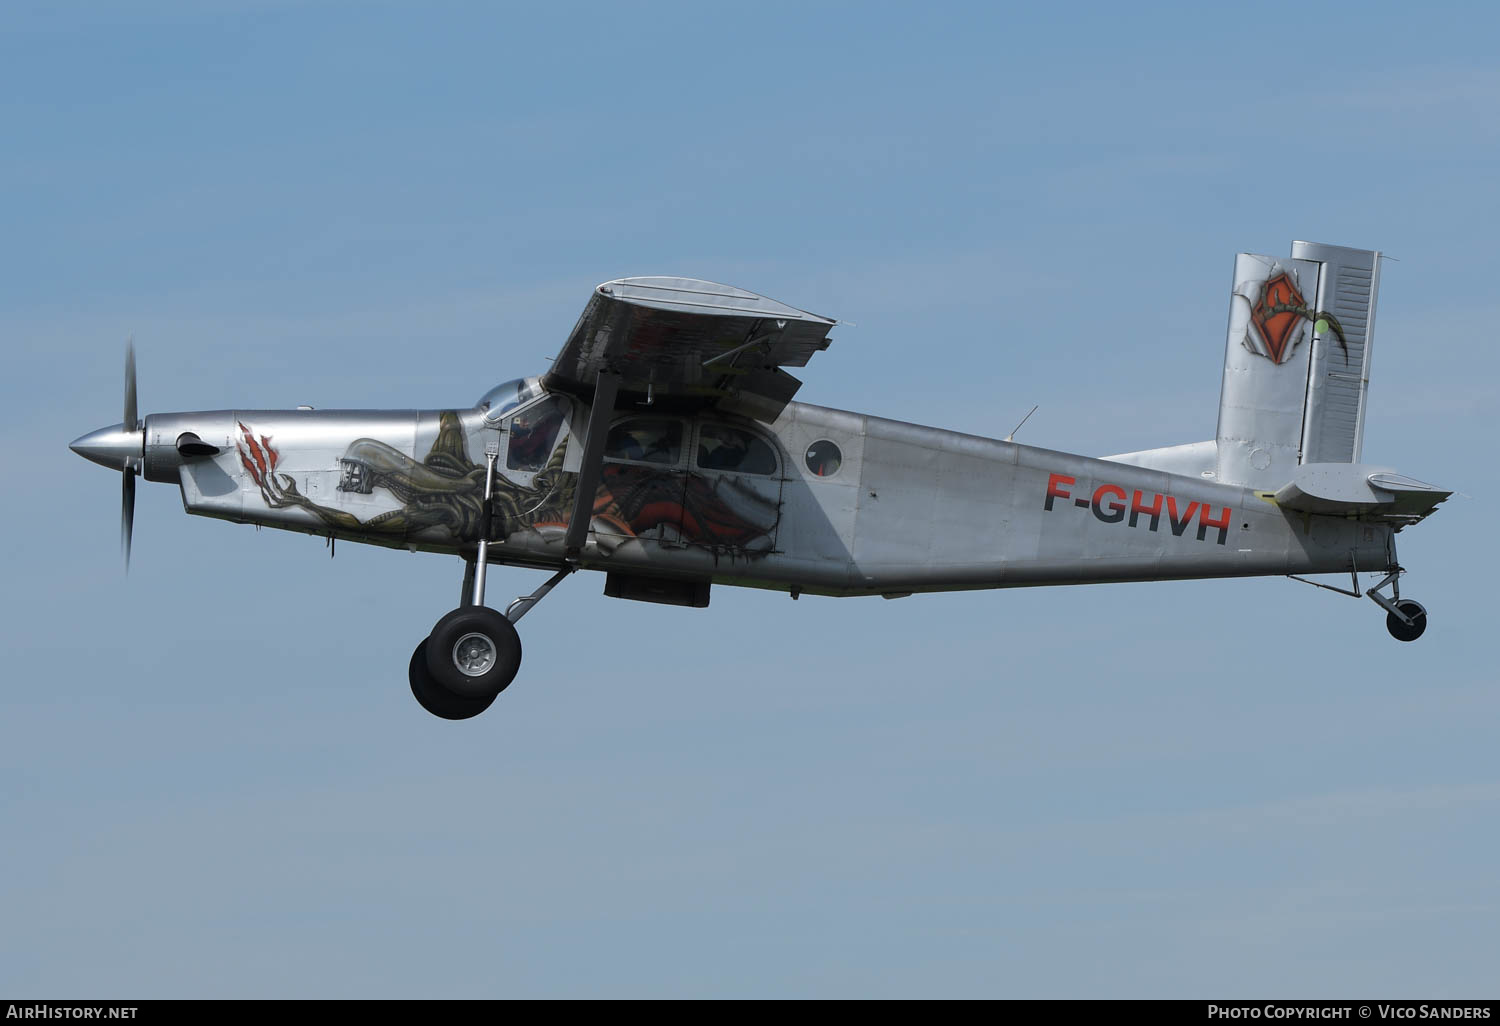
(663, 448)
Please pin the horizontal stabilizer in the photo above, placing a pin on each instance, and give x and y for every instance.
(1359, 490)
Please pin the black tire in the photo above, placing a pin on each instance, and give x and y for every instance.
(1407, 632)
(474, 652)
(439, 700)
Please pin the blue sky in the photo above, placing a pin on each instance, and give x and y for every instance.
(215, 781)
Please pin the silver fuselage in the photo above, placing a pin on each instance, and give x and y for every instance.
(908, 508)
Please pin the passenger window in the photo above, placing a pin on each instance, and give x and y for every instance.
(533, 434)
(824, 458)
(722, 447)
(646, 439)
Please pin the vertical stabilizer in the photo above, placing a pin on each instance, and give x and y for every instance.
(1265, 370)
(1296, 362)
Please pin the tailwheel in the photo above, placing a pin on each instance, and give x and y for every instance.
(1402, 631)
(436, 699)
(473, 652)
(1405, 619)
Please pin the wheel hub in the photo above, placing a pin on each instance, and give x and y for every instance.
(474, 655)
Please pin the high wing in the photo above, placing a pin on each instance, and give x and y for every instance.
(691, 344)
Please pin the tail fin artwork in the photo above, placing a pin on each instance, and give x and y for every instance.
(1296, 362)
(1296, 378)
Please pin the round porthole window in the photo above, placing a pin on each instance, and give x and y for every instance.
(824, 458)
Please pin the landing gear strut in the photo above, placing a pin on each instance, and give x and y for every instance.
(473, 652)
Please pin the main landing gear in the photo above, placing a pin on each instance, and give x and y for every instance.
(473, 652)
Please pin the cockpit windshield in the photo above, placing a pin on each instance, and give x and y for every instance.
(501, 399)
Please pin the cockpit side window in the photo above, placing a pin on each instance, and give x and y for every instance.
(533, 434)
(725, 447)
(646, 440)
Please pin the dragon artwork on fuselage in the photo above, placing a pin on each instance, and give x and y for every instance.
(445, 492)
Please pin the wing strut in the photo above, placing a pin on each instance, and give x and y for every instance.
(606, 386)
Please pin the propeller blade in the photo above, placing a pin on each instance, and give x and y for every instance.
(127, 512)
(130, 418)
